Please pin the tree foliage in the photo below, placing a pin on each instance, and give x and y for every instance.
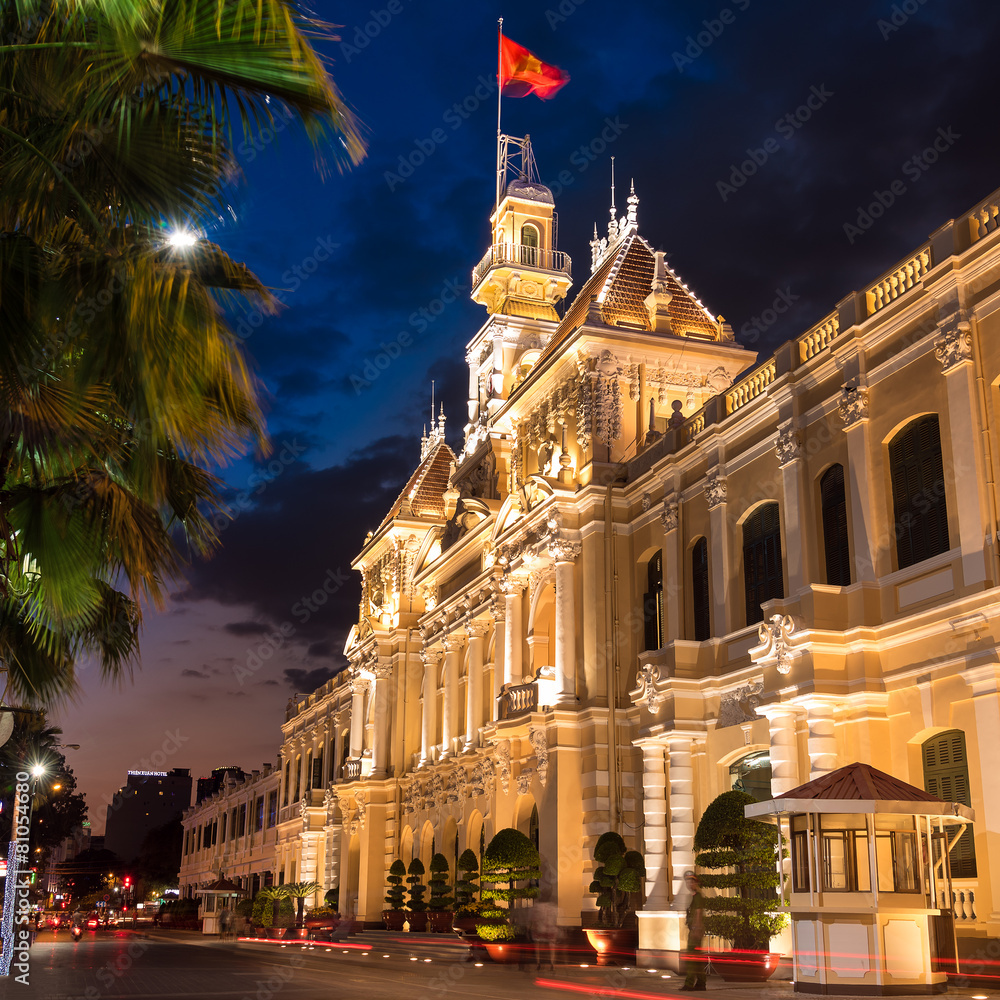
(466, 886)
(618, 875)
(510, 858)
(438, 884)
(395, 893)
(744, 852)
(414, 879)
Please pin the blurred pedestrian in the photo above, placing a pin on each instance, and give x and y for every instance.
(545, 931)
(696, 975)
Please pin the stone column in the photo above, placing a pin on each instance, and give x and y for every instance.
(793, 511)
(428, 719)
(382, 732)
(654, 808)
(822, 741)
(984, 685)
(784, 751)
(860, 482)
(673, 569)
(476, 632)
(715, 494)
(954, 350)
(358, 686)
(453, 653)
(681, 805)
(303, 782)
(565, 554)
(335, 762)
(513, 637)
(497, 613)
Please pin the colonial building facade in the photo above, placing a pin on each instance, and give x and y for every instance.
(657, 569)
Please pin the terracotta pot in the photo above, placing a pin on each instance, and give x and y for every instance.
(300, 933)
(613, 945)
(278, 932)
(393, 919)
(517, 950)
(465, 924)
(439, 921)
(260, 932)
(418, 921)
(318, 923)
(745, 966)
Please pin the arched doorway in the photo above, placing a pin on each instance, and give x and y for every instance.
(349, 897)
(752, 774)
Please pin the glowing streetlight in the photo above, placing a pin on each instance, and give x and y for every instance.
(38, 770)
(181, 238)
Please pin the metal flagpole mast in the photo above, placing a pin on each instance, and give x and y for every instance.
(496, 205)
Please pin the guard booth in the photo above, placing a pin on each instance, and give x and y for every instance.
(868, 882)
(216, 897)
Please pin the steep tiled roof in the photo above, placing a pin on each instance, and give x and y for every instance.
(859, 782)
(423, 494)
(621, 283)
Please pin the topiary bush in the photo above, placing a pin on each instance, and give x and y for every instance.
(466, 887)
(509, 859)
(618, 876)
(744, 852)
(414, 874)
(395, 893)
(440, 900)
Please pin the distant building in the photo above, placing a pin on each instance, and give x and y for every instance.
(147, 800)
(209, 786)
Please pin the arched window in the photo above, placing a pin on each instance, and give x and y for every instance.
(317, 775)
(533, 826)
(652, 603)
(529, 244)
(762, 559)
(700, 594)
(482, 844)
(919, 507)
(946, 776)
(225, 816)
(752, 774)
(835, 544)
(345, 747)
(288, 782)
(298, 779)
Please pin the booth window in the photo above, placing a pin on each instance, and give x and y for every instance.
(800, 854)
(896, 859)
(844, 854)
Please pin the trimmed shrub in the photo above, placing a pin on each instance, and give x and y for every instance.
(414, 875)
(617, 878)
(395, 893)
(440, 900)
(466, 887)
(509, 859)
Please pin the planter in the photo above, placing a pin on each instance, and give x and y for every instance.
(439, 921)
(518, 950)
(321, 923)
(260, 932)
(465, 924)
(393, 919)
(611, 944)
(418, 921)
(300, 933)
(278, 932)
(744, 966)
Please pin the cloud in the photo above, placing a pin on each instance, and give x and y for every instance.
(306, 681)
(246, 628)
(323, 648)
(191, 672)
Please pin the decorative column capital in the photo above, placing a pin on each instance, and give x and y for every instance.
(454, 642)
(563, 550)
(669, 513)
(358, 685)
(431, 657)
(382, 668)
(511, 586)
(477, 629)
(853, 405)
(788, 446)
(954, 346)
(715, 491)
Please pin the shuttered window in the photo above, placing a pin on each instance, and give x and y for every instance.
(836, 546)
(946, 776)
(762, 559)
(920, 509)
(652, 603)
(701, 597)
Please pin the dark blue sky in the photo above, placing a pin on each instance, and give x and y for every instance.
(838, 101)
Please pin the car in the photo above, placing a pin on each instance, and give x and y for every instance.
(93, 922)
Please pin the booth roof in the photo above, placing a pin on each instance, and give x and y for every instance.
(222, 885)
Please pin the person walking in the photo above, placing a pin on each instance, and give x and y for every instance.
(696, 976)
(545, 932)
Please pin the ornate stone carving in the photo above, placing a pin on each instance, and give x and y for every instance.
(540, 744)
(360, 801)
(411, 794)
(482, 777)
(647, 502)
(382, 668)
(740, 705)
(954, 346)
(359, 685)
(776, 632)
(853, 405)
(524, 780)
(649, 674)
(564, 550)
(715, 491)
(788, 446)
(511, 585)
(503, 764)
(669, 513)
(454, 642)
(304, 808)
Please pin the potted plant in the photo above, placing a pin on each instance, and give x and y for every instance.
(744, 853)
(395, 915)
(262, 915)
(466, 908)
(509, 859)
(416, 905)
(617, 878)
(285, 917)
(321, 917)
(439, 916)
(300, 892)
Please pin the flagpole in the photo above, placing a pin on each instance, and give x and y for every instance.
(496, 206)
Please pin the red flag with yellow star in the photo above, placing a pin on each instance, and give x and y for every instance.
(523, 73)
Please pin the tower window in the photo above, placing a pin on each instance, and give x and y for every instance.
(652, 603)
(919, 507)
(835, 542)
(700, 594)
(762, 573)
(529, 244)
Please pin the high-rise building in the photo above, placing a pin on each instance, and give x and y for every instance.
(147, 800)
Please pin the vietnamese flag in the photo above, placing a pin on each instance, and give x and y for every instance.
(523, 73)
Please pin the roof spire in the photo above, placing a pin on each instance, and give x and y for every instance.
(633, 206)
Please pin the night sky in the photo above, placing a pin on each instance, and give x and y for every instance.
(835, 102)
